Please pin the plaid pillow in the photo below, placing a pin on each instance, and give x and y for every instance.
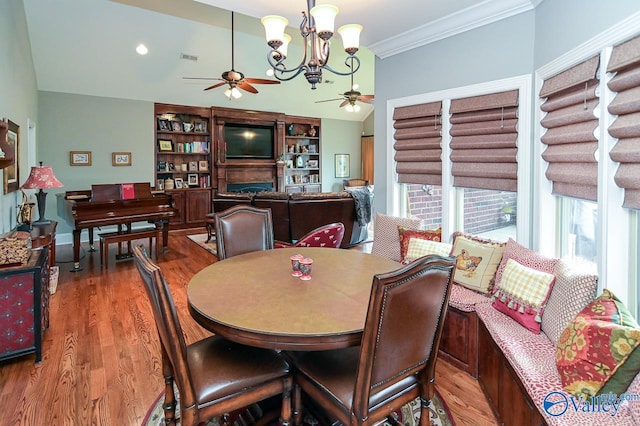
(522, 294)
(406, 234)
(419, 247)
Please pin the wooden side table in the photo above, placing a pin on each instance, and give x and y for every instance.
(45, 235)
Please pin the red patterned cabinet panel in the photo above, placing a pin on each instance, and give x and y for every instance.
(24, 306)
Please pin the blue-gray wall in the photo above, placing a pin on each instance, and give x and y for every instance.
(18, 95)
(508, 48)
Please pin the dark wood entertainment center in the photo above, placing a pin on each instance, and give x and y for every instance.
(192, 162)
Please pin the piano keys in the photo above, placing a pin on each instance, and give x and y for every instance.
(115, 204)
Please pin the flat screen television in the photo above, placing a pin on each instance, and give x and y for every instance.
(248, 141)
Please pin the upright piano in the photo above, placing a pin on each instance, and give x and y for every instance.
(119, 204)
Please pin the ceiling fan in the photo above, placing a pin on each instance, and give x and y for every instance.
(235, 79)
(350, 97)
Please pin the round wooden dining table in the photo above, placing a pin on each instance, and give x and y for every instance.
(253, 299)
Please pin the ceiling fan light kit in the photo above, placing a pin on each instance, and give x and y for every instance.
(316, 29)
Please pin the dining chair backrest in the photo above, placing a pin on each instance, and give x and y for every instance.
(330, 235)
(172, 339)
(402, 330)
(243, 229)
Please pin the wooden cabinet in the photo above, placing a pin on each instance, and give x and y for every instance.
(458, 344)
(24, 303)
(302, 154)
(184, 160)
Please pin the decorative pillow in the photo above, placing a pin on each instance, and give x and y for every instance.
(598, 351)
(405, 234)
(574, 288)
(386, 241)
(419, 247)
(476, 261)
(522, 294)
(526, 257)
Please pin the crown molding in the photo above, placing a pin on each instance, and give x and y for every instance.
(484, 13)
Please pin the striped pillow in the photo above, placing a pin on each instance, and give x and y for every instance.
(522, 294)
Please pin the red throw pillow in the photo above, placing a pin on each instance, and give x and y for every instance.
(406, 234)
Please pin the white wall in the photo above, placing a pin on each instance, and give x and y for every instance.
(340, 137)
(18, 95)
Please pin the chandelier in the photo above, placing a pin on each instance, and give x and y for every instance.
(316, 29)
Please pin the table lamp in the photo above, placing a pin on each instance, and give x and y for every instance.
(41, 177)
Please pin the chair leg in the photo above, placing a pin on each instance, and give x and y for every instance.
(297, 405)
(424, 411)
(285, 414)
(169, 405)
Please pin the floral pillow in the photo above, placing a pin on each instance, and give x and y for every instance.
(477, 260)
(598, 351)
(406, 234)
(522, 294)
(419, 247)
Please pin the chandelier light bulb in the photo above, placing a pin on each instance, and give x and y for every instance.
(324, 17)
(270, 72)
(350, 37)
(141, 49)
(274, 29)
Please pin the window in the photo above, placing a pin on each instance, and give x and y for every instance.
(578, 229)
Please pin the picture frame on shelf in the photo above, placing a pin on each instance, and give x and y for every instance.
(80, 158)
(342, 165)
(312, 164)
(178, 183)
(313, 149)
(200, 126)
(193, 166)
(203, 165)
(165, 145)
(11, 149)
(192, 179)
(163, 125)
(120, 159)
(176, 126)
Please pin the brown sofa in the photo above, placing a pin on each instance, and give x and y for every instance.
(294, 215)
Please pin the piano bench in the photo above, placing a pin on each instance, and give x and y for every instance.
(107, 238)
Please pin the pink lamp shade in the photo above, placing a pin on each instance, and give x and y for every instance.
(41, 177)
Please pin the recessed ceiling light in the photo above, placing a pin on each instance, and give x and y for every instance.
(142, 49)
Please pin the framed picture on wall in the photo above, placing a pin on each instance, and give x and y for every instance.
(120, 158)
(342, 165)
(11, 149)
(80, 158)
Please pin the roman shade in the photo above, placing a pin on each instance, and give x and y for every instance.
(484, 140)
(571, 98)
(625, 62)
(418, 139)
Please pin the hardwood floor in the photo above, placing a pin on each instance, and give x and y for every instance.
(101, 364)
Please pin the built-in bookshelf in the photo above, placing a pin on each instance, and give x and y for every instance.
(302, 155)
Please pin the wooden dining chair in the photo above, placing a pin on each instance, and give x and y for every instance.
(243, 229)
(396, 361)
(355, 182)
(214, 376)
(330, 236)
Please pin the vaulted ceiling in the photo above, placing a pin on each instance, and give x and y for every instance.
(88, 46)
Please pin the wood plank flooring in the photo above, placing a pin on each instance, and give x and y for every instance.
(101, 364)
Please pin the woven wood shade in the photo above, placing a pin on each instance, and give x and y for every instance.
(625, 62)
(484, 141)
(418, 138)
(571, 99)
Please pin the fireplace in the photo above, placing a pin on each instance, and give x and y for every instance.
(250, 187)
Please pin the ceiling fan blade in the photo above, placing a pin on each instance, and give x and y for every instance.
(222, 83)
(246, 86)
(201, 78)
(367, 99)
(346, 102)
(330, 100)
(261, 81)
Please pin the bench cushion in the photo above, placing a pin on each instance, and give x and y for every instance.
(464, 299)
(532, 357)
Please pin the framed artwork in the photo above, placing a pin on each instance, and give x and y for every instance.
(203, 165)
(200, 126)
(12, 149)
(342, 165)
(178, 183)
(312, 164)
(193, 166)
(176, 125)
(121, 158)
(163, 124)
(80, 158)
(165, 145)
(192, 180)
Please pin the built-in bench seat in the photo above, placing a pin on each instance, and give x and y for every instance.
(107, 238)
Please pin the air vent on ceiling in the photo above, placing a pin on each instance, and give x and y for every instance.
(188, 57)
